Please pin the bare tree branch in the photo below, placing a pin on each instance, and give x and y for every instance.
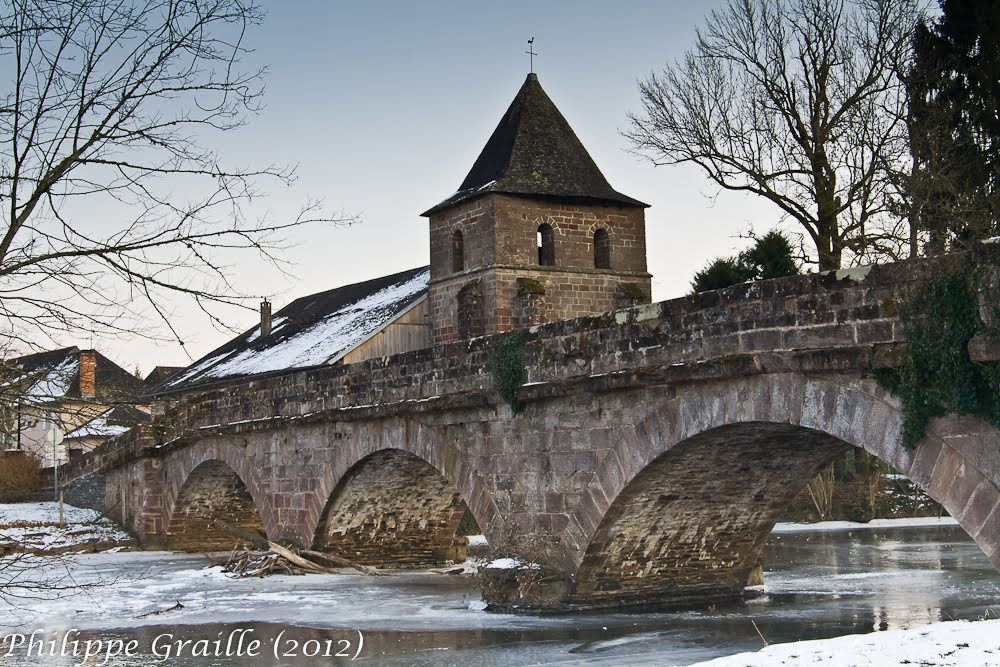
(102, 125)
(796, 101)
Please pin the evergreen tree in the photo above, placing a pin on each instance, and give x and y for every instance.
(771, 256)
(954, 93)
(720, 272)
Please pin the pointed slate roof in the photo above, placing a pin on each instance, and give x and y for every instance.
(534, 152)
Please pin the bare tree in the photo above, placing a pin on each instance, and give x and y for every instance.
(103, 125)
(796, 101)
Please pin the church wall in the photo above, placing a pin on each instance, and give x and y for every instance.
(566, 295)
(475, 220)
(508, 305)
(500, 235)
(444, 298)
(517, 221)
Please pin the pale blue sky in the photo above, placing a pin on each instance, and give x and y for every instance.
(384, 106)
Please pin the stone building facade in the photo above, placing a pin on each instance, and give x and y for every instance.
(534, 234)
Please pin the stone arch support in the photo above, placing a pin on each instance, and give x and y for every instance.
(957, 463)
(690, 526)
(207, 481)
(405, 457)
(393, 509)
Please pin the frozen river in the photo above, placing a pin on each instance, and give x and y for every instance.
(818, 584)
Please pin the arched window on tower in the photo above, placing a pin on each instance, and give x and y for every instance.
(546, 245)
(602, 249)
(457, 251)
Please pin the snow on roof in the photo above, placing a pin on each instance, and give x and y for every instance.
(110, 423)
(43, 377)
(98, 428)
(312, 331)
(54, 383)
(54, 375)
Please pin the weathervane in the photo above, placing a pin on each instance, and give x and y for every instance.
(531, 54)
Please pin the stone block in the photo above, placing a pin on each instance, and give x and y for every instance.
(984, 349)
(981, 504)
(946, 471)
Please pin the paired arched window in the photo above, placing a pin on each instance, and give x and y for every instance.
(602, 249)
(457, 251)
(546, 245)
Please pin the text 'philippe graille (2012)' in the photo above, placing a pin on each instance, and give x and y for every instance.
(168, 646)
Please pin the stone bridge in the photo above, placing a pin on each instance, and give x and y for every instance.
(646, 458)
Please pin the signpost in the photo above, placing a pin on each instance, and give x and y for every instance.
(54, 435)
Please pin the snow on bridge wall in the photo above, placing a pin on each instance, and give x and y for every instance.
(661, 440)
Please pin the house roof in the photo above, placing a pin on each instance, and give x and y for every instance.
(159, 374)
(108, 424)
(534, 152)
(55, 375)
(315, 330)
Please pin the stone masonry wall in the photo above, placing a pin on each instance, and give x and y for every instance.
(86, 492)
(474, 219)
(517, 220)
(501, 245)
(394, 509)
(212, 493)
(720, 494)
(566, 295)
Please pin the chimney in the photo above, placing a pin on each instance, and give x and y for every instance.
(265, 318)
(88, 372)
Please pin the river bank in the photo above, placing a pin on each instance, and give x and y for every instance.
(46, 528)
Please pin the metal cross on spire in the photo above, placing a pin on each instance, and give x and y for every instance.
(531, 54)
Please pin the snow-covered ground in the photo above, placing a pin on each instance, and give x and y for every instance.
(953, 644)
(916, 522)
(36, 527)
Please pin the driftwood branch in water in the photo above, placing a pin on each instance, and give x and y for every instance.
(273, 557)
(157, 612)
(339, 561)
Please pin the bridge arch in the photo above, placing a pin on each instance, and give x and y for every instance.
(395, 494)
(206, 483)
(729, 456)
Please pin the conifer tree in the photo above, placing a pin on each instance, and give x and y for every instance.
(954, 94)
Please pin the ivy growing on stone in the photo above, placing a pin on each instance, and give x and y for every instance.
(938, 377)
(509, 372)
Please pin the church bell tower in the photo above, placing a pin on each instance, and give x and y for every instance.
(534, 234)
